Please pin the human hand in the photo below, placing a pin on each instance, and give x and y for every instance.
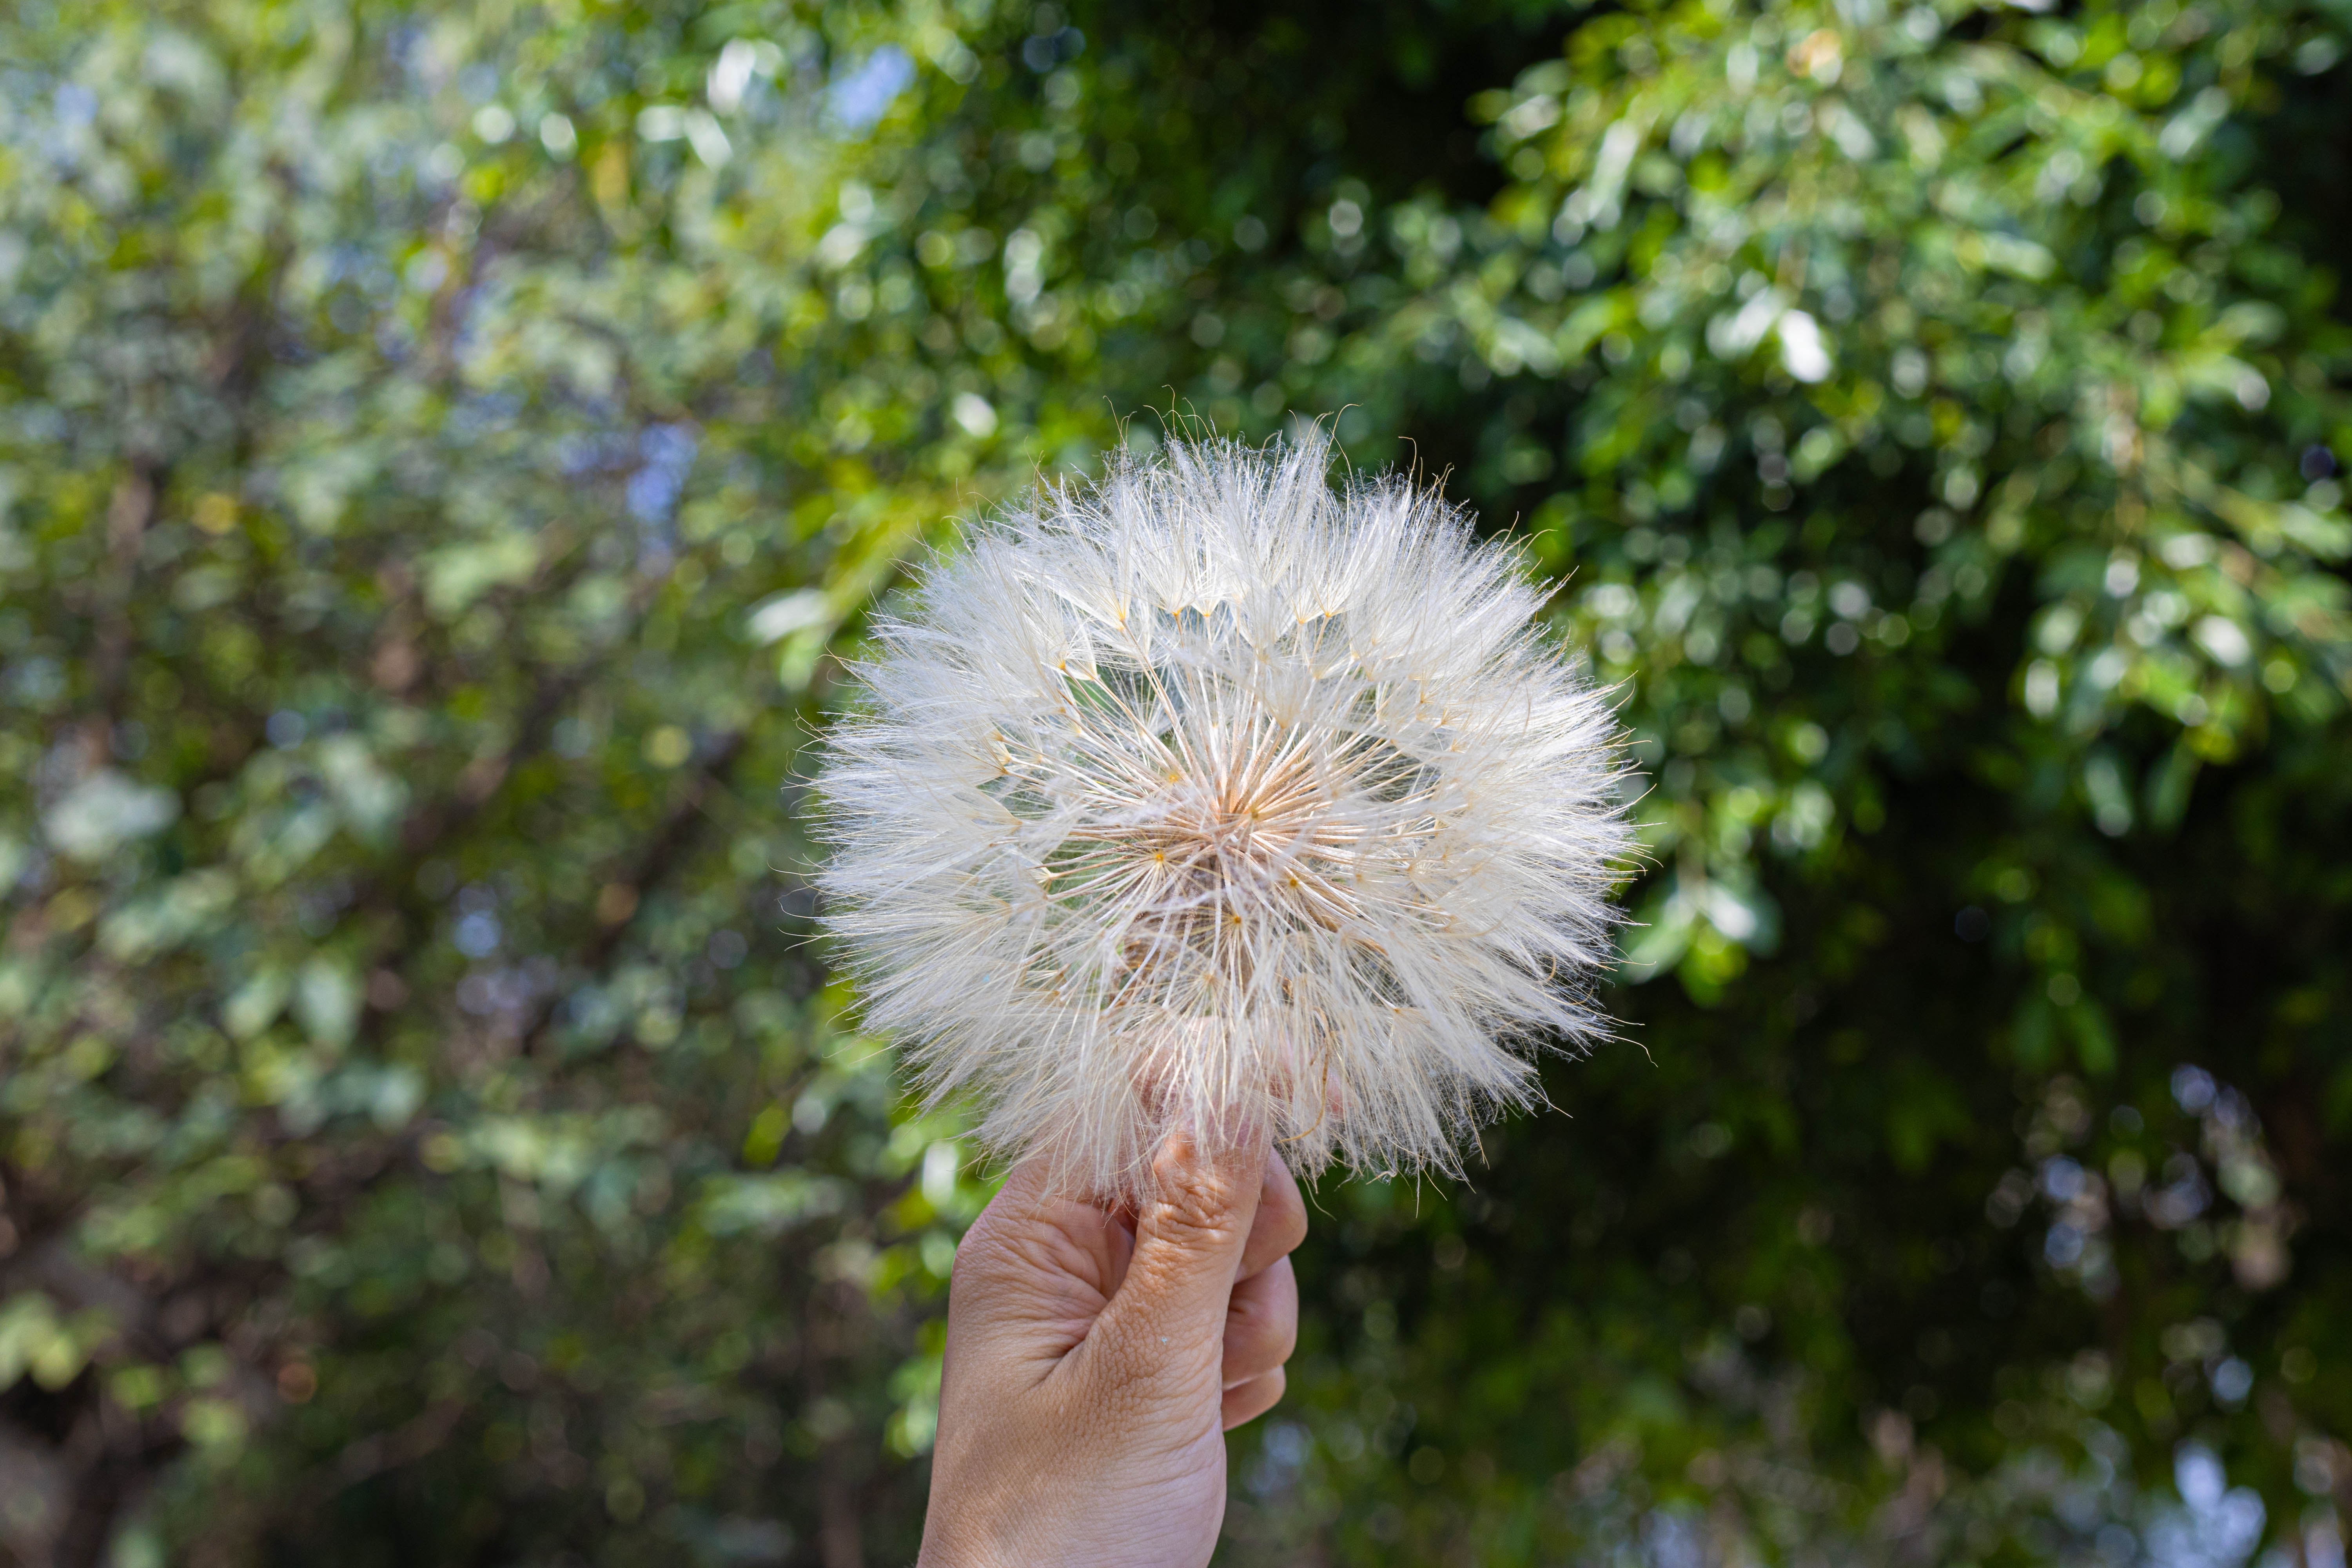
(1096, 1359)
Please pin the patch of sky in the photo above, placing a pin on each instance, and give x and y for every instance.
(862, 94)
(74, 105)
(669, 452)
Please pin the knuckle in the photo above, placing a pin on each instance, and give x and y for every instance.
(1282, 1335)
(1290, 1219)
(1197, 1197)
(1261, 1333)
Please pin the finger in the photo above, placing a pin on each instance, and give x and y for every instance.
(1262, 1325)
(1037, 1265)
(1252, 1399)
(1281, 1222)
(1189, 1236)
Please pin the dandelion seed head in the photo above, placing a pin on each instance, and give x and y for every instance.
(1209, 797)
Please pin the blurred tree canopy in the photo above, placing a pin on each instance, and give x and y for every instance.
(446, 450)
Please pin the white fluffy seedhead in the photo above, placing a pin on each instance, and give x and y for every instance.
(1209, 798)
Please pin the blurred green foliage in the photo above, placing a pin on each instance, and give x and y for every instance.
(444, 448)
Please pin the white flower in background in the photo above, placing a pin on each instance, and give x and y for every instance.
(1210, 798)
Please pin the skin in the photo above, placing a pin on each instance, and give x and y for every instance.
(1096, 1358)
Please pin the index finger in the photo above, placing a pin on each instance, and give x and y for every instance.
(1281, 1222)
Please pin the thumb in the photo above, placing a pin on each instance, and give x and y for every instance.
(1170, 1311)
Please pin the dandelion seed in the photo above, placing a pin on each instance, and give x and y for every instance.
(1210, 798)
